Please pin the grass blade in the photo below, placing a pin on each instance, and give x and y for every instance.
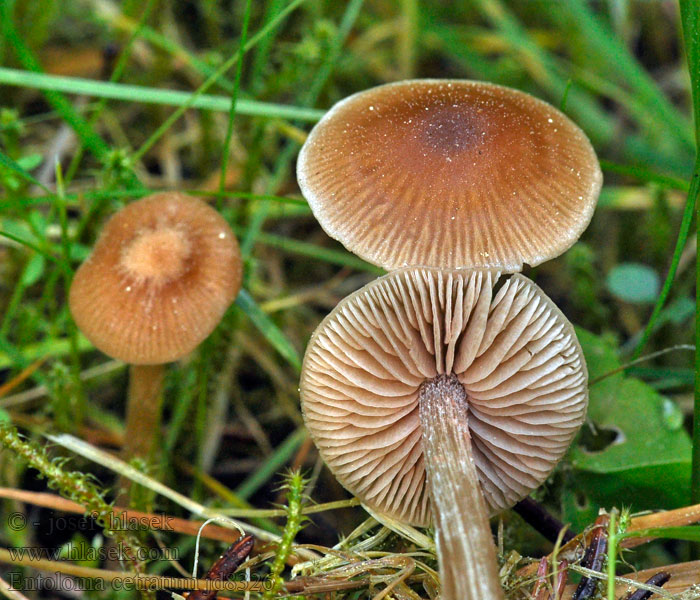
(689, 533)
(335, 257)
(267, 327)
(690, 16)
(609, 55)
(647, 175)
(683, 233)
(168, 123)
(274, 462)
(234, 99)
(136, 93)
(85, 133)
(308, 99)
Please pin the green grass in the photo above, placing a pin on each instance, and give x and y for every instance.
(215, 98)
(690, 13)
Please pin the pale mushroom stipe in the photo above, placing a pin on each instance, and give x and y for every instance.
(441, 392)
(449, 174)
(162, 273)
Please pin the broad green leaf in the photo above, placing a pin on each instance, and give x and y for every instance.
(633, 282)
(647, 465)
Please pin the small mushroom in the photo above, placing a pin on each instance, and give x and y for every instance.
(450, 394)
(162, 273)
(449, 174)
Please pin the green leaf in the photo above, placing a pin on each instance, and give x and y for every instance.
(267, 327)
(6, 161)
(34, 270)
(633, 282)
(29, 162)
(647, 462)
(20, 232)
(690, 533)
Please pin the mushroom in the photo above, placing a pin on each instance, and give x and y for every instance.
(497, 176)
(162, 273)
(445, 393)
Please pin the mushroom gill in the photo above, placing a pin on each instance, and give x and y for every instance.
(385, 349)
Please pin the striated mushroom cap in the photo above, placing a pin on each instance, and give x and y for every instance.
(449, 174)
(162, 273)
(510, 347)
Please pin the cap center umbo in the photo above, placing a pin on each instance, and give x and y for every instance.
(157, 255)
(449, 130)
(441, 390)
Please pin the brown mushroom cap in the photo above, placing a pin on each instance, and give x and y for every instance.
(449, 174)
(161, 275)
(512, 350)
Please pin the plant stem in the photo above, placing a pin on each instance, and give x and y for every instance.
(537, 516)
(131, 579)
(466, 551)
(695, 477)
(143, 410)
(690, 17)
(75, 486)
(612, 553)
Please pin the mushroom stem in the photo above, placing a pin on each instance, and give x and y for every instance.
(143, 410)
(466, 551)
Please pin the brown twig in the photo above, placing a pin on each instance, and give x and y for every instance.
(593, 558)
(542, 521)
(659, 579)
(672, 518)
(153, 521)
(139, 581)
(225, 566)
(541, 591)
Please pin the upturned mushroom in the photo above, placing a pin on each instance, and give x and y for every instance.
(450, 174)
(162, 273)
(450, 393)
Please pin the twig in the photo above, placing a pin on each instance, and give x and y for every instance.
(154, 521)
(624, 580)
(539, 517)
(9, 592)
(139, 581)
(593, 559)
(657, 580)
